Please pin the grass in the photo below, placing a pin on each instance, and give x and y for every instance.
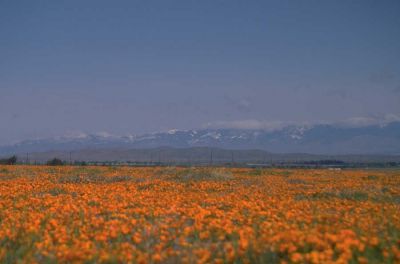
(203, 174)
(371, 177)
(343, 195)
(256, 172)
(283, 173)
(353, 195)
(4, 170)
(93, 178)
(296, 181)
(56, 191)
(194, 174)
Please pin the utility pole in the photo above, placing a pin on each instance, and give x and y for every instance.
(27, 158)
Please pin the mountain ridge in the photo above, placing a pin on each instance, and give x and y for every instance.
(321, 139)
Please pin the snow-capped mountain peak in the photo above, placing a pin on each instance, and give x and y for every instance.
(315, 139)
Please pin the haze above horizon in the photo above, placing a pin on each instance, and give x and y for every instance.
(142, 66)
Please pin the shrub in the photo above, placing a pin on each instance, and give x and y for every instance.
(55, 162)
(80, 163)
(10, 161)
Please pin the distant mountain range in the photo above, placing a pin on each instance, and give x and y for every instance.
(321, 139)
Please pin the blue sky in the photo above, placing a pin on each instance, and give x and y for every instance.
(140, 66)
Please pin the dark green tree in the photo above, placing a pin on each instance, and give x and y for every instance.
(55, 162)
(10, 161)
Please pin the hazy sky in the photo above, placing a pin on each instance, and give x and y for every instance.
(139, 66)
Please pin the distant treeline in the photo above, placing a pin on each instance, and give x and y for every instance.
(323, 163)
(299, 164)
(9, 161)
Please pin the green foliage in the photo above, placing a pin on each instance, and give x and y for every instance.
(256, 172)
(345, 194)
(55, 162)
(9, 161)
(371, 177)
(203, 174)
(353, 195)
(296, 181)
(56, 191)
(93, 178)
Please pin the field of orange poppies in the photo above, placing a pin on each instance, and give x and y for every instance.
(198, 215)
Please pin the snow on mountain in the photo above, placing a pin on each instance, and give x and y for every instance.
(316, 139)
